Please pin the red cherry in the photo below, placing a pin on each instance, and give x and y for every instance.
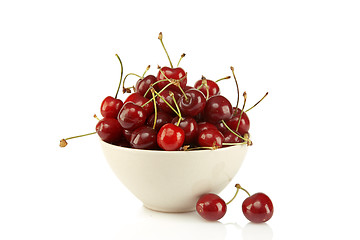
(190, 127)
(205, 125)
(204, 84)
(142, 85)
(258, 208)
(168, 98)
(217, 108)
(210, 138)
(177, 74)
(131, 116)
(161, 119)
(127, 134)
(229, 137)
(140, 100)
(110, 107)
(192, 103)
(109, 130)
(143, 137)
(242, 127)
(211, 207)
(170, 137)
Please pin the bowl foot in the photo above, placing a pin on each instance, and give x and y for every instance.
(164, 210)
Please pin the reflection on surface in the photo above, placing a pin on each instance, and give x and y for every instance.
(156, 225)
(256, 231)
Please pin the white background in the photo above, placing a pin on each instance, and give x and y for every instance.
(57, 63)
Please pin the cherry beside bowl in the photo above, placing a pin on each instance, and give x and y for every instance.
(173, 181)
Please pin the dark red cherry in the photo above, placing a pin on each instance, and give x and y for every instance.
(212, 86)
(161, 119)
(187, 87)
(210, 138)
(192, 103)
(244, 125)
(109, 130)
(190, 127)
(217, 108)
(258, 208)
(166, 95)
(211, 207)
(177, 74)
(127, 134)
(142, 85)
(144, 137)
(230, 137)
(131, 116)
(205, 125)
(110, 107)
(140, 100)
(170, 137)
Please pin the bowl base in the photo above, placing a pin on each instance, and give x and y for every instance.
(169, 210)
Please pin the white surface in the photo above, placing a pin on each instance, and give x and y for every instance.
(174, 181)
(57, 63)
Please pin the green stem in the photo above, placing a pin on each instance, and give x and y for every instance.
(158, 93)
(167, 103)
(228, 128)
(155, 108)
(160, 38)
(258, 101)
(121, 75)
(237, 89)
(126, 77)
(228, 77)
(153, 86)
(182, 56)
(147, 69)
(241, 113)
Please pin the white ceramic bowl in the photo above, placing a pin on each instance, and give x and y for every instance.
(173, 181)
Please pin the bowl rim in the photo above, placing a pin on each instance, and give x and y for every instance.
(170, 152)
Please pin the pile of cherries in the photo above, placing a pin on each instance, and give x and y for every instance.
(257, 208)
(164, 113)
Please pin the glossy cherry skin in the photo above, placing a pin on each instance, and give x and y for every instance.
(142, 85)
(140, 100)
(166, 95)
(244, 125)
(258, 208)
(110, 107)
(211, 207)
(205, 125)
(127, 134)
(212, 86)
(172, 74)
(217, 108)
(190, 127)
(161, 119)
(144, 137)
(229, 137)
(170, 137)
(193, 104)
(109, 130)
(210, 138)
(131, 116)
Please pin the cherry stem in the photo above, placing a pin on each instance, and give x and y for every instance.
(155, 92)
(227, 77)
(167, 103)
(121, 75)
(96, 117)
(160, 38)
(234, 144)
(155, 107)
(258, 101)
(237, 89)
(63, 141)
(175, 82)
(186, 148)
(177, 108)
(242, 110)
(125, 89)
(147, 69)
(238, 187)
(152, 85)
(181, 57)
(228, 128)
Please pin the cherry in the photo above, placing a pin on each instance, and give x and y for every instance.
(164, 98)
(142, 85)
(208, 87)
(258, 208)
(127, 134)
(205, 125)
(190, 127)
(161, 119)
(210, 138)
(192, 102)
(242, 127)
(170, 137)
(110, 107)
(144, 137)
(230, 137)
(171, 75)
(211, 207)
(142, 101)
(131, 116)
(217, 108)
(109, 130)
